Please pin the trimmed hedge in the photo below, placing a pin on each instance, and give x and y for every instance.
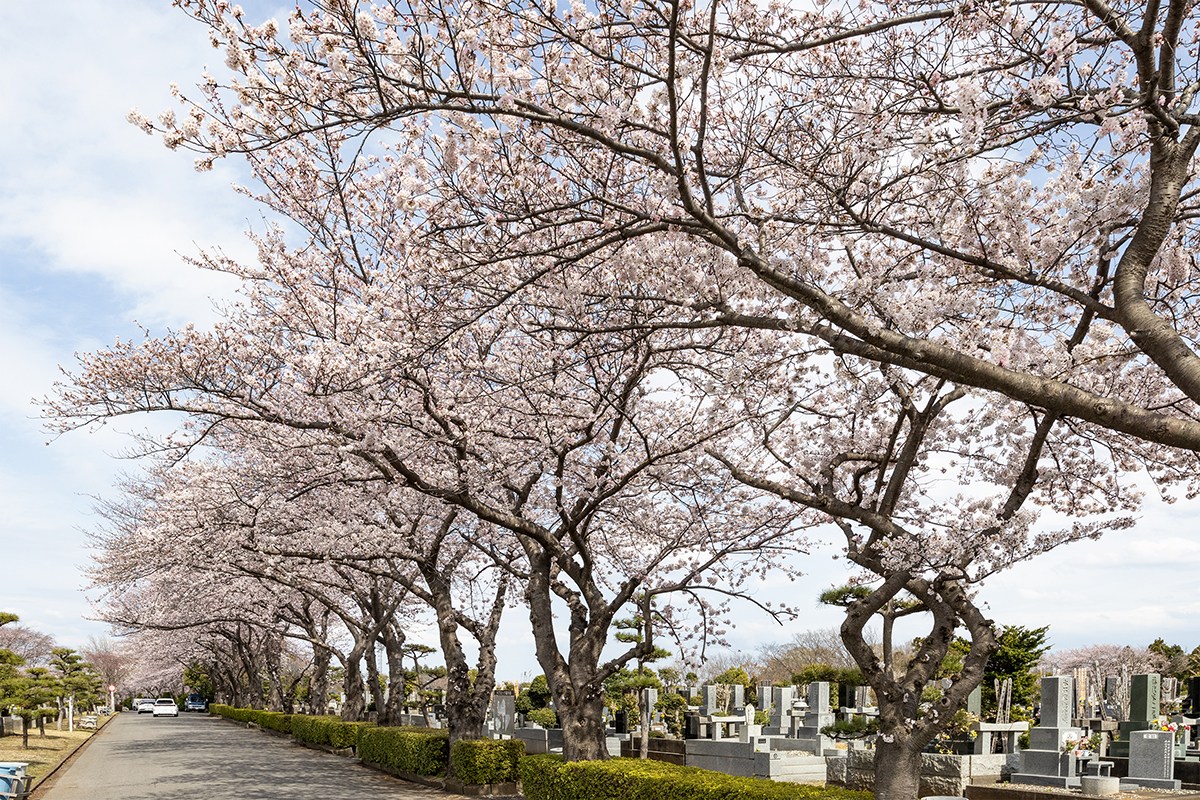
(418, 751)
(479, 761)
(327, 730)
(546, 777)
(275, 720)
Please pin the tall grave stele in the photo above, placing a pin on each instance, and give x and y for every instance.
(1045, 763)
(1145, 694)
(504, 713)
(817, 717)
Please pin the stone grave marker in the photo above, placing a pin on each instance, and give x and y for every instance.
(1045, 763)
(749, 731)
(1152, 759)
(975, 701)
(1145, 697)
(504, 713)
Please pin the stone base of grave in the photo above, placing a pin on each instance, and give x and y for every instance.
(941, 774)
(1045, 780)
(1157, 783)
(1097, 786)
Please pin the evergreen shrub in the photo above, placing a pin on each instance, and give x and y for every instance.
(418, 751)
(478, 761)
(546, 777)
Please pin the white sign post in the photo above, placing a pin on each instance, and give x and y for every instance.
(112, 709)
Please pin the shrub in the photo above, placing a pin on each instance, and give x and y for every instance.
(418, 751)
(276, 721)
(487, 760)
(546, 717)
(546, 777)
(326, 730)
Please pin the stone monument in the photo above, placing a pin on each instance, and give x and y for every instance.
(1045, 763)
(1152, 759)
(1145, 695)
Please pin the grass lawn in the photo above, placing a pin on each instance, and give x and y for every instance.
(44, 755)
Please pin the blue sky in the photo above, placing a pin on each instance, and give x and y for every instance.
(94, 217)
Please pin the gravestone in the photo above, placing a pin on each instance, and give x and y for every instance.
(739, 699)
(1191, 703)
(691, 725)
(504, 714)
(817, 717)
(975, 701)
(1145, 696)
(749, 731)
(708, 700)
(1045, 763)
(846, 695)
(1152, 759)
(621, 721)
(781, 707)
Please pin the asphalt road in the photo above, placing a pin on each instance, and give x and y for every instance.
(194, 756)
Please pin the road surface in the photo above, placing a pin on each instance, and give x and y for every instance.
(198, 757)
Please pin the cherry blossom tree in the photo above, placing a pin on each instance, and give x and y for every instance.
(938, 188)
(975, 195)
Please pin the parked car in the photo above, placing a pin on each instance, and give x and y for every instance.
(165, 707)
(143, 705)
(195, 702)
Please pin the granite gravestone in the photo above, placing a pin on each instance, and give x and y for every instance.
(504, 714)
(1152, 759)
(1045, 763)
(1145, 697)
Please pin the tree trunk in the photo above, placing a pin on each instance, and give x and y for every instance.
(41, 726)
(318, 684)
(644, 713)
(273, 660)
(897, 769)
(466, 699)
(393, 705)
(576, 683)
(353, 701)
(374, 687)
(583, 729)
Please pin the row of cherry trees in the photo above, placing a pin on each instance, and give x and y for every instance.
(607, 306)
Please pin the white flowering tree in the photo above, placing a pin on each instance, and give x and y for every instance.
(977, 194)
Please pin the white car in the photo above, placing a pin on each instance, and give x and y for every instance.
(143, 705)
(165, 707)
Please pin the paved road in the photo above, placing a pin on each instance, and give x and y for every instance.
(194, 757)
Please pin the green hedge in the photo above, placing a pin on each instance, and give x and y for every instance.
(546, 777)
(327, 730)
(488, 760)
(275, 720)
(419, 751)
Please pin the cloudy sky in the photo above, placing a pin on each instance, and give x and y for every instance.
(95, 217)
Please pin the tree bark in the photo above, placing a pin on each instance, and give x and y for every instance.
(576, 685)
(583, 729)
(353, 701)
(318, 684)
(393, 704)
(374, 687)
(897, 769)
